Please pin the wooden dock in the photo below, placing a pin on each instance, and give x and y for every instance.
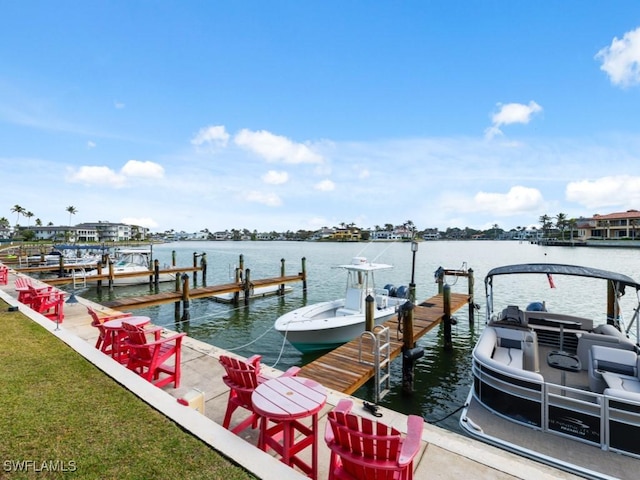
(341, 369)
(142, 301)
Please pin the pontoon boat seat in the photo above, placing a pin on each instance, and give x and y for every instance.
(517, 348)
(604, 335)
(621, 365)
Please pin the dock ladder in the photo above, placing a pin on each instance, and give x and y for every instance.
(82, 280)
(381, 350)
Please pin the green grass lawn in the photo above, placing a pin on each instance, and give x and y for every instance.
(57, 411)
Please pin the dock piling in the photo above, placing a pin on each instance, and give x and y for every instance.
(446, 298)
(185, 297)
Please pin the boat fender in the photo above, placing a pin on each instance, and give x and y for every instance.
(413, 353)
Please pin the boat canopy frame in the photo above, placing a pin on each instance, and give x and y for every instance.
(618, 281)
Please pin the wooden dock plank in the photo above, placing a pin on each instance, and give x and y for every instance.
(341, 370)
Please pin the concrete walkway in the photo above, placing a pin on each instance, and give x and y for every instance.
(444, 455)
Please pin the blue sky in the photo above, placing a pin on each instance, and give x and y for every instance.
(287, 115)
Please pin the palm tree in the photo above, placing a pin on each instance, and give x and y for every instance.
(72, 211)
(545, 221)
(561, 223)
(572, 226)
(18, 210)
(28, 216)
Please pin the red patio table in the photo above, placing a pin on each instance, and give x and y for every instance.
(285, 401)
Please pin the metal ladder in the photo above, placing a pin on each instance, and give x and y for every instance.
(380, 339)
(83, 278)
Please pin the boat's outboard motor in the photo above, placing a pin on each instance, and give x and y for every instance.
(511, 316)
(536, 307)
(402, 292)
(391, 289)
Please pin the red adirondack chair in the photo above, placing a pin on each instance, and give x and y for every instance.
(242, 378)
(157, 361)
(364, 449)
(104, 341)
(49, 302)
(4, 275)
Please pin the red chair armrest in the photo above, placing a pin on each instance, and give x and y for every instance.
(291, 372)
(343, 406)
(255, 361)
(177, 337)
(413, 440)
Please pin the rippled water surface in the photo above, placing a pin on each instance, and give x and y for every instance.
(441, 378)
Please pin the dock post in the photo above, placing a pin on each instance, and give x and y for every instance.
(185, 297)
(173, 258)
(156, 274)
(61, 266)
(195, 273)
(99, 282)
(282, 271)
(236, 295)
(409, 351)
(203, 266)
(111, 274)
(446, 299)
(247, 286)
(304, 274)
(369, 313)
(472, 304)
(440, 279)
(176, 305)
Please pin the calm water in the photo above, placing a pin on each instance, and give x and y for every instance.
(442, 378)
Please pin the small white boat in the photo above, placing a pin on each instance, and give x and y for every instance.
(257, 292)
(127, 261)
(326, 325)
(561, 387)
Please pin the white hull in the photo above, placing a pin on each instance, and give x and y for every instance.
(131, 261)
(256, 293)
(326, 325)
(318, 327)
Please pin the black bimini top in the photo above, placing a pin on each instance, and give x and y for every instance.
(560, 269)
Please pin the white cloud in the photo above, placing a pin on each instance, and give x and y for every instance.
(621, 59)
(516, 201)
(215, 135)
(91, 144)
(325, 186)
(275, 147)
(621, 190)
(511, 113)
(269, 199)
(136, 168)
(275, 178)
(96, 176)
(119, 105)
(107, 177)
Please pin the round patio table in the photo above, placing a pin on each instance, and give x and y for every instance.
(285, 401)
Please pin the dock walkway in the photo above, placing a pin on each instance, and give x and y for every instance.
(341, 369)
(444, 455)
